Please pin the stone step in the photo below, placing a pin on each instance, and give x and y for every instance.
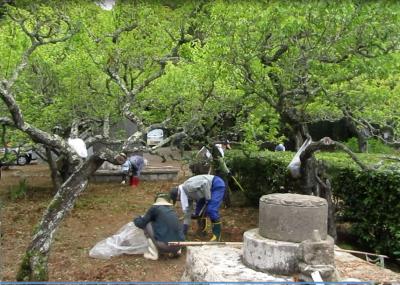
(166, 173)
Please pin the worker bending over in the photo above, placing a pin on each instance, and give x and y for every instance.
(161, 225)
(208, 192)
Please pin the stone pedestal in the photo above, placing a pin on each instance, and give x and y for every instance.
(222, 264)
(266, 255)
(292, 217)
(285, 220)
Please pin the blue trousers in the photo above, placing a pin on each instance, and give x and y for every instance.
(217, 196)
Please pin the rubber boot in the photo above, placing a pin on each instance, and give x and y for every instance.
(216, 230)
(152, 252)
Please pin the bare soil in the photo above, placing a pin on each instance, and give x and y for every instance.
(100, 211)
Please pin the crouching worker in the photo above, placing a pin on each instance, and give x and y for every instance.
(161, 225)
(208, 192)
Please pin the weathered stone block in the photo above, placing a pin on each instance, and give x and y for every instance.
(292, 217)
(317, 252)
(317, 255)
(221, 264)
(266, 255)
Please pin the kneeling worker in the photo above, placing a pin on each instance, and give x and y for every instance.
(208, 192)
(161, 225)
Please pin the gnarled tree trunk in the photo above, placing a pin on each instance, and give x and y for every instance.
(362, 138)
(313, 175)
(34, 263)
(55, 177)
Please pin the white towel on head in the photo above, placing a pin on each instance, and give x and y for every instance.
(183, 198)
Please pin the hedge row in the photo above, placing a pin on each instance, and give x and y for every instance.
(370, 200)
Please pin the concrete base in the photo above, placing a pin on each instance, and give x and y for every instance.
(221, 264)
(266, 255)
(148, 174)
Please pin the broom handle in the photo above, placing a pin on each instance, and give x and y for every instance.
(199, 243)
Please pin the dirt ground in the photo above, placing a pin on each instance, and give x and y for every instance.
(98, 214)
(100, 211)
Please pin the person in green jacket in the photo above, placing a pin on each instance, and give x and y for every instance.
(161, 225)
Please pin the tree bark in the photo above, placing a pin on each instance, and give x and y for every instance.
(297, 139)
(295, 129)
(313, 173)
(55, 177)
(326, 193)
(361, 137)
(34, 264)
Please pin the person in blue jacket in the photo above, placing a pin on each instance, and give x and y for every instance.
(208, 193)
(161, 225)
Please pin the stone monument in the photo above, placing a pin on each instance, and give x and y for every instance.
(285, 220)
(291, 241)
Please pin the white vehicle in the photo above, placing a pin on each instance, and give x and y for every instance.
(154, 137)
(22, 157)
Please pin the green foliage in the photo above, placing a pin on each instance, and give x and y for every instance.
(8, 158)
(220, 84)
(260, 173)
(374, 146)
(370, 200)
(19, 191)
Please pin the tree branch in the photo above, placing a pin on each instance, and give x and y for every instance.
(6, 121)
(327, 143)
(115, 35)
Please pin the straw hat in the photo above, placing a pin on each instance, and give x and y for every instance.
(162, 199)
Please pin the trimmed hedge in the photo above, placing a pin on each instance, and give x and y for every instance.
(370, 200)
(260, 173)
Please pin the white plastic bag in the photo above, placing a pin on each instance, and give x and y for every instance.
(79, 146)
(128, 240)
(294, 165)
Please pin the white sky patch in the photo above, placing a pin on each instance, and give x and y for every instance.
(106, 4)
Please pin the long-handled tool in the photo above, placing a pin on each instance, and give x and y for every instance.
(200, 243)
(202, 220)
(238, 184)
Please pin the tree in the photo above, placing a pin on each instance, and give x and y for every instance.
(294, 56)
(48, 26)
(313, 180)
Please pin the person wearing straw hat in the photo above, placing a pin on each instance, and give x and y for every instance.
(161, 225)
